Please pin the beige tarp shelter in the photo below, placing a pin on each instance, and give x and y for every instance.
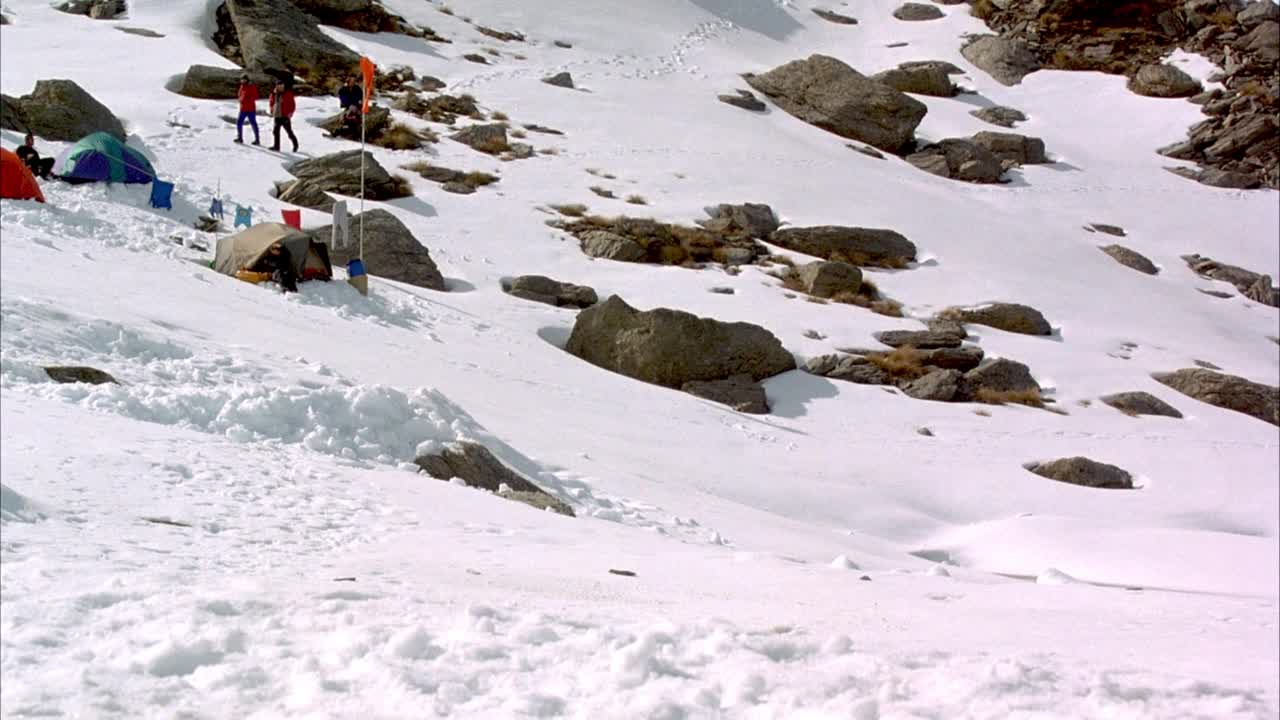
(242, 250)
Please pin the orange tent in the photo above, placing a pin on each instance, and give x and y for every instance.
(16, 180)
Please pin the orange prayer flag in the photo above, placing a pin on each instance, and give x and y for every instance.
(367, 67)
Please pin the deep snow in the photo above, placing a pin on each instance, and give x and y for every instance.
(275, 429)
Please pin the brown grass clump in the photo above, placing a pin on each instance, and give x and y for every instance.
(518, 134)
(401, 185)
(493, 146)
(790, 280)
(602, 192)
(500, 116)
(863, 260)
(479, 179)
(901, 364)
(400, 137)
(982, 9)
(868, 296)
(418, 166)
(446, 9)
(983, 413)
(576, 210)
(1007, 397)
(637, 200)
(549, 151)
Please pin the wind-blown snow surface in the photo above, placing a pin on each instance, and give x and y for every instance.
(234, 532)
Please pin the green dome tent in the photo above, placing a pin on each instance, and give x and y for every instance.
(101, 157)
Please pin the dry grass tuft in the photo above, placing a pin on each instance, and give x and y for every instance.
(499, 116)
(576, 210)
(400, 137)
(868, 296)
(518, 134)
(401, 185)
(446, 9)
(983, 413)
(418, 166)
(637, 200)
(479, 179)
(902, 363)
(603, 192)
(549, 151)
(1007, 397)
(790, 280)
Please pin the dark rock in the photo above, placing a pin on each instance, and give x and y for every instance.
(848, 368)
(276, 37)
(745, 100)
(1010, 317)
(1008, 60)
(1226, 391)
(959, 159)
(376, 122)
(867, 247)
(560, 79)
(1085, 472)
(215, 83)
(825, 92)
(671, 347)
(540, 288)
(826, 278)
(1258, 12)
(920, 79)
(739, 392)
(915, 12)
(1106, 229)
(60, 110)
(1141, 403)
(1241, 278)
(963, 358)
(430, 83)
(340, 173)
(612, 246)
(140, 32)
(835, 17)
(1015, 148)
(478, 468)
(1264, 292)
(754, 220)
(390, 250)
(1001, 375)
(457, 188)
(79, 374)
(922, 339)
(307, 194)
(1131, 259)
(96, 9)
(999, 115)
(491, 138)
(1163, 81)
(939, 386)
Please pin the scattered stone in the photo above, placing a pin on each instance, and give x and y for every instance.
(1007, 60)
(1012, 147)
(722, 290)
(865, 247)
(305, 193)
(1226, 391)
(650, 241)
(826, 278)
(959, 159)
(540, 288)
(560, 79)
(829, 94)
(739, 392)
(1163, 81)
(430, 83)
(866, 150)
(476, 58)
(963, 358)
(849, 368)
(141, 32)
(215, 83)
(490, 138)
(612, 246)
(1001, 375)
(390, 250)
(96, 9)
(999, 115)
(59, 110)
(563, 44)
(1140, 403)
(916, 12)
(919, 78)
(924, 431)
(501, 35)
(1206, 364)
(939, 386)
(744, 99)
(1106, 229)
(341, 172)
(1085, 472)
(835, 17)
(1010, 317)
(457, 188)
(922, 339)
(79, 374)
(1131, 259)
(755, 220)
(672, 347)
(475, 465)
(1252, 285)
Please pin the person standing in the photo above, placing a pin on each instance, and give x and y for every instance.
(248, 110)
(282, 107)
(28, 154)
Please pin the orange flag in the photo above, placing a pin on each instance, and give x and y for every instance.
(367, 68)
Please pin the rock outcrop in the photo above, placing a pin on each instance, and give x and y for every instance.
(79, 374)
(866, 247)
(214, 83)
(1163, 81)
(643, 240)
(1255, 286)
(340, 173)
(1012, 148)
(278, 38)
(540, 288)
(1010, 317)
(959, 159)
(920, 78)
(1085, 472)
(59, 110)
(1226, 391)
(390, 250)
(476, 466)
(1007, 60)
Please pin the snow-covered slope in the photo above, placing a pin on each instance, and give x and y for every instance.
(276, 429)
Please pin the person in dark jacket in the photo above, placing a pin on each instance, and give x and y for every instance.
(350, 98)
(40, 167)
(282, 106)
(279, 262)
(248, 95)
(350, 94)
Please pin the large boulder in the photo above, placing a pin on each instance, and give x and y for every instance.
(755, 220)
(61, 110)
(1085, 472)
(875, 247)
(276, 37)
(1008, 60)
(920, 79)
(963, 358)
(1163, 81)
(672, 347)
(1131, 259)
(11, 113)
(1226, 391)
(79, 374)
(1010, 317)
(826, 278)
(1001, 375)
(340, 173)
(825, 92)
(390, 250)
(489, 138)
(939, 386)
(477, 467)
(612, 246)
(1263, 41)
(916, 12)
(1139, 402)
(215, 83)
(540, 288)
(739, 392)
(305, 193)
(1012, 147)
(923, 339)
(959, 159)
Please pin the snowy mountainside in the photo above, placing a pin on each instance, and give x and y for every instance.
(237, 529)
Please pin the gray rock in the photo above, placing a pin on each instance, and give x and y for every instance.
(873, 247)
(825, 278)
(922, 339)
(739, 392)
(1163, 81)
(1010, 317)
(1263, 41)
(215, 83)
(79, 374)
(60, 110)
(540, 288)
(963, 358)
(490, 138)
(959, 159)
(376, 122)
(278, 38)
(457, 188)
(1229, 179)
(96, 9)
(307, 194)
(999, 115)
(340, 173)
(11, 114)
(947, 67)
(478, 468)
(390, 250)
(848, 368)
(750, 219)
(560, 79)
(1226, 391)
(317, 7)
(745, 100)
(835, 17)
(922, 79)
(1106, 229)
(1001, 375)
(1008, 60)
(1141, 403)
(939, 386)
(1264, 292)
(1085, 472)
(825, 92)
(1131, 259)
(1258, 12)
(915, 12)
(1013, 147)
(671, 347)
(612, 246)
(1241, 278)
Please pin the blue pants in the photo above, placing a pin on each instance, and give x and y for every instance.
(252, 117)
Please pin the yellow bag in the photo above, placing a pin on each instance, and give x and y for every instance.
(250, 276)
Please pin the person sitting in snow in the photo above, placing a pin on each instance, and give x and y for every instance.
(248, 110)
(282, 106)
(27, 153)
(279, 262)
(350, 99)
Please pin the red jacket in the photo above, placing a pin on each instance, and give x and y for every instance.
(286, 106)
(248, 98)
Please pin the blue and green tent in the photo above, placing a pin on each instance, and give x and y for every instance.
(101, 157)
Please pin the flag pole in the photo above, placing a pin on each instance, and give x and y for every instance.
(362, 152)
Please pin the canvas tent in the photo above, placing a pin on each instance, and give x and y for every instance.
(101, 157)
(242, 250)
(16, 180)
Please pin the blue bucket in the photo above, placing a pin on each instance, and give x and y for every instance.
(355, 268)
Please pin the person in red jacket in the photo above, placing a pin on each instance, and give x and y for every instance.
(282, 107)
(248, 110)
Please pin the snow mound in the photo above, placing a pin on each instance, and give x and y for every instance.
(1054, 576)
